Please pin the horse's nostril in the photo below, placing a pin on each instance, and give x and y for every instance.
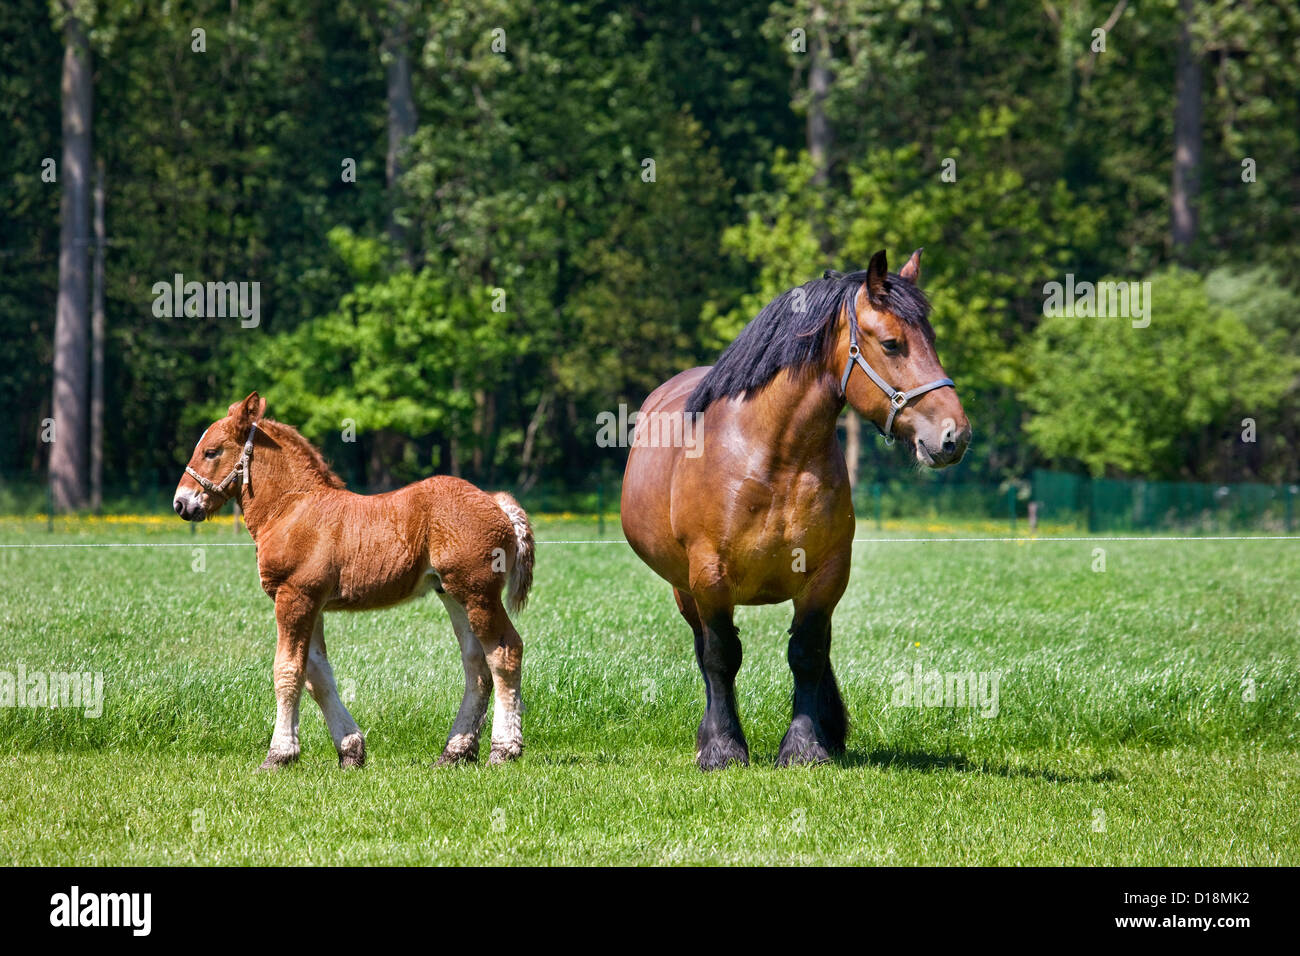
(179, 506)
(949, 447)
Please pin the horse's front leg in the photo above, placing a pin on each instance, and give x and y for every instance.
(295, 619)
(347, 736)
(819, 724)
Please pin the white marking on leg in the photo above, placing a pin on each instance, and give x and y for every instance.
(464, 737)
(325, 691)
(284, 740)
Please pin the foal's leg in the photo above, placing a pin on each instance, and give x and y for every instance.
(295, 619)
(819, 724)
(504, 652)
(720, 740)
(462, 742)
(345, 733)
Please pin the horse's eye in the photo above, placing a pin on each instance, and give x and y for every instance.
(212, 453)
(890, 346)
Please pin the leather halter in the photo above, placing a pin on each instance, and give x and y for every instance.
(898, 399)
(237, 474)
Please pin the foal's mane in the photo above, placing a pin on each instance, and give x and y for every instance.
(289, 439)
(799, 335)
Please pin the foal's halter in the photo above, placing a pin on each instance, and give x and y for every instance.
(898, 399)
(237, 474)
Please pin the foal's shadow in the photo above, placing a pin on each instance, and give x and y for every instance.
(887, 758)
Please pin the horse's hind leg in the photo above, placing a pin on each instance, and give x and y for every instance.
(719, 740)
(504, 652)
(347, 736)
(462, 742)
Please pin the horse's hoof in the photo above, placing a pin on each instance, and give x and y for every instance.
(275, 761)
(452, 757)
(720, 752)
(798, 749)
(353, 752)
(504, 753)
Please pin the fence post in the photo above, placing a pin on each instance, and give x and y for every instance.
(1011, 506)
(878, 493)
(1290, 508)
(49, 506)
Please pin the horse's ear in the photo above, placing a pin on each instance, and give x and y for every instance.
(249, 410)
(911, 270)
(877, 269)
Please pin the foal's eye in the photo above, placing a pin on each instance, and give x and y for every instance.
(890, 346)
(212, 453)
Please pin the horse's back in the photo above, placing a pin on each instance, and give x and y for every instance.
(672, 394)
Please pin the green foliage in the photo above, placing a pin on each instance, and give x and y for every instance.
(525, 174)
(1114, 397)
(403, 352)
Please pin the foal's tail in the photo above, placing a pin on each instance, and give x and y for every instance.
(520, 576)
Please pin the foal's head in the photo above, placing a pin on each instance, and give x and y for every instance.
(219, 463)
(895, 339)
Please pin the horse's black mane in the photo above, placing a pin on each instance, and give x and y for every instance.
(784, 335)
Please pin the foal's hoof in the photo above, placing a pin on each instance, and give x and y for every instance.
(274, 761)
(719, 752)
(352, 753)
(461, 748)
(450, 758)
(801, 747)
(505, 752)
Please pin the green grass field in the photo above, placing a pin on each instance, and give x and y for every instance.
(1147, 714)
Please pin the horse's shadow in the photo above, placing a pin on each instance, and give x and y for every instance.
(887, 758)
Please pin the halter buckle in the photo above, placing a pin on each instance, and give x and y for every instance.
(899, 401)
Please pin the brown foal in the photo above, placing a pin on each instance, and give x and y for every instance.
(323, 548)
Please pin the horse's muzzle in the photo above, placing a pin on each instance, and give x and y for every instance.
(188, 508)
(949, 449)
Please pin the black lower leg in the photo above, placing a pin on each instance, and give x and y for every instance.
(720, 740)
(810, 739)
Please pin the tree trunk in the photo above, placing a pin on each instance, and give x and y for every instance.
(97, 352)
(401, 110)
(819, 85)
(71, 325)
(1187, 134)
(820, 139)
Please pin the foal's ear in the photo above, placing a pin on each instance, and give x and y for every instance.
(911, 270)
(249, 410)
(877, 269)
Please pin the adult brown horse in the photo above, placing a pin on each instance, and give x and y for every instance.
(322, 548)
(756, 509)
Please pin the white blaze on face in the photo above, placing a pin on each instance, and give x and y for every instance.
(199, 443)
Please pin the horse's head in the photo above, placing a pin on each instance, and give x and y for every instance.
(220, 461)
(889, 370)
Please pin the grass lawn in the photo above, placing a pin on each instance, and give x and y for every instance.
(1146, 714)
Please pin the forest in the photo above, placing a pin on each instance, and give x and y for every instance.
(452, 236)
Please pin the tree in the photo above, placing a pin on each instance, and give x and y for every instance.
(71, 403)
(1123, 399)
(1187, 133)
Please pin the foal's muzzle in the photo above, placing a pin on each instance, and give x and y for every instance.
(189, 508)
